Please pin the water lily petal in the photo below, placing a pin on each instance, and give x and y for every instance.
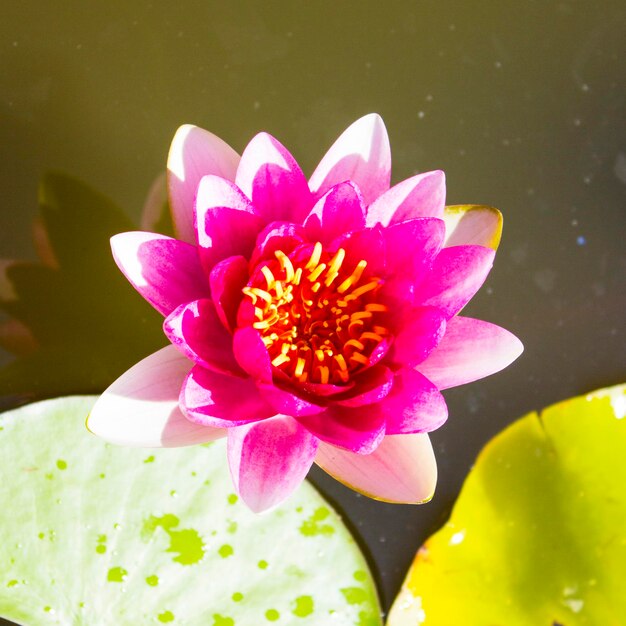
(225, 222)
(470, 349)
(251, 354)
(472, 224)
(368, 245)
(287, 402)
(227, 279)
(194, 153)
(359, 430)
(360, 154)
(402, 469)
(411, 245)
(141, 407)
(273, 181)
(283, 236)
(196, 330)
(220, 400)
(456, 275)
(419, 332)
(269, 459)
(423, 195)
(373, 385)
(339, 211)
(414, 405)
(165, 271)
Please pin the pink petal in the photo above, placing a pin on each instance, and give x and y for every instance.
(414, 405)
(155, 204)
(456, 275)
(287, 402)
(194, 153)
(423, 195)
(196, 330)
(283, 236)
(401, 470)
(269, 459)
(472, 224)
(362, 155)
(165, 271)
(373, 385)
(251, 354)
(227, 279)
(470, 349)
(339, 211)
(141, 407)
(225, 222)
(359, 430)
(368, 245)
(411, 246)
(419, 332)
(221, 401)
(273, 181)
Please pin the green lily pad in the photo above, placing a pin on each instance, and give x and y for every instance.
(99, 534)
(538, 534)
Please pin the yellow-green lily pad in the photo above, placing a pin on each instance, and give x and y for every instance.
(98, 534)
(538, 534)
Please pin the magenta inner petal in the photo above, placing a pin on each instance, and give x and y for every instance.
(456, 275)
(221, 401)
(414, 405)
(359, 430)
(196, 330)
(339, 211)
(287, 402)
(269, 459)
(251, 354)
(423, 195)
(371, 386)
(419, 331)
(227, 279)
(283, 236)
(273, 181)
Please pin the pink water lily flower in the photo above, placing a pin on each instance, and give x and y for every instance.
(310, 321)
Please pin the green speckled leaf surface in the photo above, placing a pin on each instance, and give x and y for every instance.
(98, 534)
(538, 534)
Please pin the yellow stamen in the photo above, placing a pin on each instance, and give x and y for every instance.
(354, 343)
(269, 277)
(376, 307)
(360, 315)
(285, 264)
(324, 373)
(261, 293)
(353, 278)
(319, 354)
(315, 256)
(299, 367)
(297, 276)
(372, 336)
(315, 274)
(357, 293)
(381, 330)
(359, 358)
(280, 359)
(341, 362)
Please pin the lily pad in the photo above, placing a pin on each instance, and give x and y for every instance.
(95, 533)
(538, 534)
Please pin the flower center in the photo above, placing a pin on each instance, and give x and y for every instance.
(320, 321)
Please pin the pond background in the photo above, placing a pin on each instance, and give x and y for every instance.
(521, 103)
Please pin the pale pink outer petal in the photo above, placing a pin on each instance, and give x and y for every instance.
(361, 154)
(165, 271)
(268, 460)
(194, 153)
(270, 176)
(156, 199)
(141, 407)
(472, 224)
(470, 349)
(423, 195)
(401, 470)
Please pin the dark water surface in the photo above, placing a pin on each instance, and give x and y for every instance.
(521, 103)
